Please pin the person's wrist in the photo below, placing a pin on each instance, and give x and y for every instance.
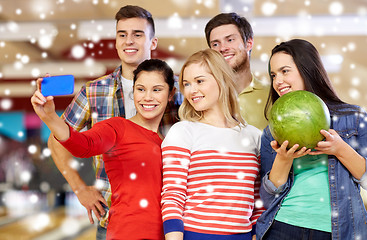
(80, 188)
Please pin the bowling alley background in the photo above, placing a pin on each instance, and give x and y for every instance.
(77, 37)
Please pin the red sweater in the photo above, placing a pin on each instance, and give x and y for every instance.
(133, 163)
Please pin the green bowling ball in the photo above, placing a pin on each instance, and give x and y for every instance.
(298, 117)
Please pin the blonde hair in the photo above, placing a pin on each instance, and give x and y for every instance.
(224, 76)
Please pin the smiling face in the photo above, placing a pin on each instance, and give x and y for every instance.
(227, 40)
(151, 94)
(201, 89)
(284, 74)
(133, 41)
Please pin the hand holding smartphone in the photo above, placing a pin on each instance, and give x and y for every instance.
(57, 85)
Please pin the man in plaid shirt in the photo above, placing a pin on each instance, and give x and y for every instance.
(107, 97)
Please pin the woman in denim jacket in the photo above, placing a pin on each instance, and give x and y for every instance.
(313, 195)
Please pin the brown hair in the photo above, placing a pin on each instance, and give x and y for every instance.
(130, 11)
(243, 26)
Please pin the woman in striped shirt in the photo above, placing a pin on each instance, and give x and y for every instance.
(210, 159)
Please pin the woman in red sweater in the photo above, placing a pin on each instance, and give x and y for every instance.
(131, 151)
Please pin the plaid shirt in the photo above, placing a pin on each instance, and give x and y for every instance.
(102, 99)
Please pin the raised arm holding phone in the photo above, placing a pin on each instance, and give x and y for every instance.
(130, 149)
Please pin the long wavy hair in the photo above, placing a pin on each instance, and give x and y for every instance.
(309, 64)
(223, 74)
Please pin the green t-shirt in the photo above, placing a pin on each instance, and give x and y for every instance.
(308, 202)
(252, 102)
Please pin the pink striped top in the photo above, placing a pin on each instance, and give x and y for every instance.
(211, 178)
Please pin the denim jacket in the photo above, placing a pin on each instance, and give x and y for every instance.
(348, 214)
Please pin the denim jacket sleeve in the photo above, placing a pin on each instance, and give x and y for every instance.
(268, 192)
(353, 130)
(361, 144)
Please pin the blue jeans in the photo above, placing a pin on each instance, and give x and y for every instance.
(283, 231)
(101, 233)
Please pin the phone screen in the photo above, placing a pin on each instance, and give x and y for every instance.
(57, 85)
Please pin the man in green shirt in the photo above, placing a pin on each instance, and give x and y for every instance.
(232, 36)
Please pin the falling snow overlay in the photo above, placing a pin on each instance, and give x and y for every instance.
(77, 37)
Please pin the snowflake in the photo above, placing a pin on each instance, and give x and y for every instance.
(240, 175)
(35, 72)
(39, 222)
(264, 57)
(259, 203)
(99, 184)
(32, 149)
(143, 203)
(185, 163)
(245, 142)
(175, 21)
(336, 8)
(222, 150)
(210, 188)
(46, 152)
(133, 176)
(354, 93)
(20, 134)
(268, 8)
(74, 164)
(33, 198)
(45, 41)
(351, 46)
(334, 214)
(94, 115)
(78, 52)
(354, 143)
(209, 3)
(70, 226)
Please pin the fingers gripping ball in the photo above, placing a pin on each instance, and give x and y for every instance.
(298, 117)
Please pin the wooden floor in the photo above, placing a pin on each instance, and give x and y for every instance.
(59, 224)
(52, 225)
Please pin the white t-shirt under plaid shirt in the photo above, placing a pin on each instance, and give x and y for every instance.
(211, 178)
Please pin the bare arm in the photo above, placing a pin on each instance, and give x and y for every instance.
(283, 162)
(335, 145)
(174, 236)
(88, 196)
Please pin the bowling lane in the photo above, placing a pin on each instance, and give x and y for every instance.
(54, 225)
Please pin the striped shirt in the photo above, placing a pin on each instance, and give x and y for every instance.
(211, 179)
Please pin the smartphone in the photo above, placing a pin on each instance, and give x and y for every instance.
(57, 85)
